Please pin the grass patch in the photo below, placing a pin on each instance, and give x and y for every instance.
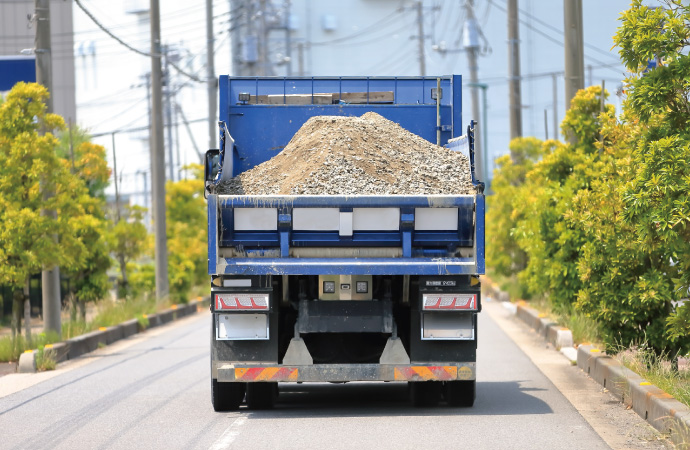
(109, 313)
(45, 359)
(510, 285)
(584, 329)
(658, 370)
(115, 312)
(10, 349)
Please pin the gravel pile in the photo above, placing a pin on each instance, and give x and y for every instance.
(368, 155)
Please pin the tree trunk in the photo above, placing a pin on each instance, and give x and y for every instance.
(17, 301)
(82, 310)
(72, 307)
(27, 312)
(123, 272)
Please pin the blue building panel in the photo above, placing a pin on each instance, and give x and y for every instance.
(14, 69)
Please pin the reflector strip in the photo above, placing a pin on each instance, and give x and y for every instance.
(449, 301)
(242, 301)
(426, 373)
(267, 374)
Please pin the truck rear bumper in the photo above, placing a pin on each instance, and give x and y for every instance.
(346, 372)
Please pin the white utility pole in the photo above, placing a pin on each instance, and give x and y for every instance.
(158, 157)
(514, 70)
(470, 44)
(211, 77)
(50, 277)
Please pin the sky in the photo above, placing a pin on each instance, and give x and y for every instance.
(370, 38)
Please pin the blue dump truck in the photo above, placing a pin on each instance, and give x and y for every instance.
(340, 288)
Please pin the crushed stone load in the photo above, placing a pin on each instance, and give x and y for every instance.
(367, 155)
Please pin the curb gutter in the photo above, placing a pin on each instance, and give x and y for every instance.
(553, 333)
(656, 406)
(85, 343)
(561, 338)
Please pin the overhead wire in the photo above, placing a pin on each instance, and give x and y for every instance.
(135, 50)
(556, 41)
(376, 38)
(175, 92)
(141, 39)
(372, 27)
(385, 63)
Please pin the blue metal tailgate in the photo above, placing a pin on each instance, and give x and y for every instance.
(303, 235)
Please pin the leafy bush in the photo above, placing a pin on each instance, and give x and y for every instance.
(603, 222)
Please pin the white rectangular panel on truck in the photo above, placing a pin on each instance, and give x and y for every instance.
(256, 219)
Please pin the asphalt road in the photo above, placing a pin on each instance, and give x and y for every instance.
(153, 391)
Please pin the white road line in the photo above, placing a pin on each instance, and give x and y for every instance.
(227, 438)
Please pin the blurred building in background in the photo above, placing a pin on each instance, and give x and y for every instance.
(17, 34)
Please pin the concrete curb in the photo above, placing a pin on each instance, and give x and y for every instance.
(561, 338)
(79, 345)
(27, 362)
(554, 334)
(657, 407)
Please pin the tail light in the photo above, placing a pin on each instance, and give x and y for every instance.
(453, 302)
(242, 302)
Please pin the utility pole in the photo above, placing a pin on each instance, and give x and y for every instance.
(514, 70)
(300, 59)
(211, 75)
(158, 156)
(288, 40)
(574, 56)
(471, 46)
(145, 179)
(420, 39)
(235, 30)
(554, 82)
(50, 277)
(167, 88)
(120, 256)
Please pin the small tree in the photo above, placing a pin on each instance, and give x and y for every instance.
(29, 167)
(127, 240)
(89, 281)
(186, 222)
(546, 231)
(504, 209)
(657, 199)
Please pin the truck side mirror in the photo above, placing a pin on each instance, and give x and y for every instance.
(211, 168)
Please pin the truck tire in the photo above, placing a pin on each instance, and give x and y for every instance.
(226, 396)
(461, 393)
(425, 393)
(261, 395)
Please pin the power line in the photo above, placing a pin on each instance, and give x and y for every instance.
(554, 40)
(142, 53)
(142, 128)
(373, 27)
(376, 38)
(175, 92)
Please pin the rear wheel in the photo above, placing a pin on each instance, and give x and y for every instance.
(226, 396)
(461, 393)
(425, 393)
(261, 395)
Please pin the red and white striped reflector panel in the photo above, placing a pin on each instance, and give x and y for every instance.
(242, 302)
(454, 302)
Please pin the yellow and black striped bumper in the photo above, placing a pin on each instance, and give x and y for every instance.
(346, 372)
